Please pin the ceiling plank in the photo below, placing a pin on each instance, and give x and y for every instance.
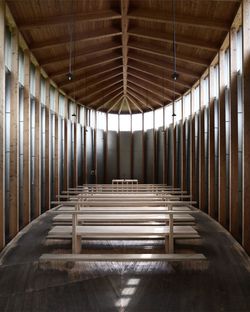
(124, 25)
(159, 51)
(156, 73)
(149, 89)
(160, 87)
(62, 19)
(194, 21)
(89, 75)
(85, 36)
(168, 37)
(87, 51)
(87, 64)
(134, 103)
(157, 63)
(149, 95)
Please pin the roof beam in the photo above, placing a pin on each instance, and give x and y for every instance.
(149, 89)
(134, 103)
(121, 106)
(157, 63)
(194, 21)
(89, 75)
(116, 103)
(95, 82)
(97, 61)
(159, 51)
(148, 81)
(91, 93)
(112, 98)
(87, 51)
(138, 97)
(124, 25)
(167, 37)
(147, 95)
(62, 19)
(129, 108)
(85, 36)
(156, 73)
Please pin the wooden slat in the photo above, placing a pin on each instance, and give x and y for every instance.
(139, 97)
(115, 89)
(246, 127)
(26, 141)
(2, 124)
(14, 142)
(234, 222)
(148, 96)
(62, 19)
(86, 36)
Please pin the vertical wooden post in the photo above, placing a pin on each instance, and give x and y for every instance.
(75, 148)
(14, 142)
(211, 149)
(95, 148)
(233, 182)
(85, 149)
(174, 169)
(118, 149)
(26, 140)
(106, 151)
(37, 181)
(131, 150)
(2, 124)
(164, 158)
(47, 146)
(222, 144)
(143, 151)
(183, 150)
(154, 150)
(192, 149)
(57, 147)
(246, 125)
(201, 150)
(65, 147)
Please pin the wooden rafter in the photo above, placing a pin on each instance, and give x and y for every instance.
(89, 75)
(138, 98)
(85, 36)
(87, 51)
(129, 108)
(158, 63)
(159, 51)
(167, 37)
(111, 91)
(62, 19)
(124, 25)
(149, 89)
(115, 104)
(147, 95)
(156, 73)
(119, 94)
(149, 82)
(134, 103)
(194, 21)
(88, 64)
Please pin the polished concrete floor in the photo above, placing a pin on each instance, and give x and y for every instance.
(222, 283)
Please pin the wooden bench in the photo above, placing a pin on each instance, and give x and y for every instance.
(120, 257)
(169, 233)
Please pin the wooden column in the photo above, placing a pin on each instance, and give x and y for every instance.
(14, 142)
(201, 150)
(75, 147)
(57, 148)
(154, 151)
(174, 169)
(183, 150)
(37, 181)
(131, 150)
(143, 152)
(246, 125)
(164, 149)
(85, 149)
(65, 161)
(233, 166)
(47, 147)
(106, 151)
(222, 214)
(211, 149)
(2, 125)
(26, 140)
(118, 149)
(192, 148)
(95, 148)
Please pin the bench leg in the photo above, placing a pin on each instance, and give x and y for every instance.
(166, 244)
(169, 245)
(76, 245)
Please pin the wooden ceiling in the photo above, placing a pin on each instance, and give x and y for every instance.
(122, 51)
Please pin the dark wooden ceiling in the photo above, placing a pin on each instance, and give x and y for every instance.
(122, 51)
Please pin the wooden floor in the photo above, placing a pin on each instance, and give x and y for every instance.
(220, 284)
